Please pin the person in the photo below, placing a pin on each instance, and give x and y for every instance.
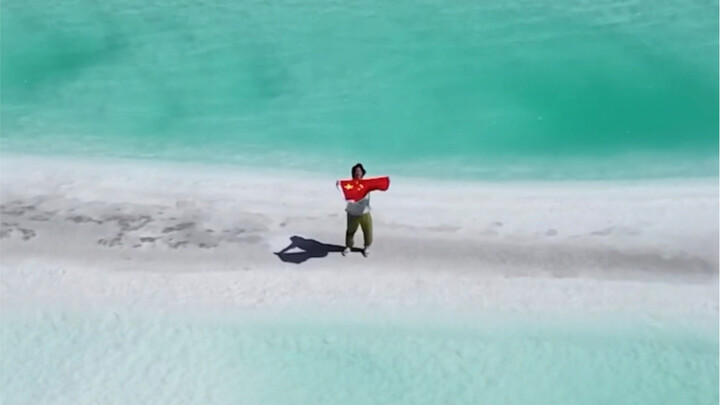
(358, 215)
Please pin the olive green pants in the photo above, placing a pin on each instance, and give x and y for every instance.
(365, 222)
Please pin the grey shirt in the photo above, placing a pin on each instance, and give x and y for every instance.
(360, 207)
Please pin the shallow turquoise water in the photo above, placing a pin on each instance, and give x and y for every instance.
(71, 359)
(569, 89)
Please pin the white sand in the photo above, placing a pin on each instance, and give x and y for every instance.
(164, 237)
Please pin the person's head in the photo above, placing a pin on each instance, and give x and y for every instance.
(358, 171)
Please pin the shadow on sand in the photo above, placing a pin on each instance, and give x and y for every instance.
(310, 248)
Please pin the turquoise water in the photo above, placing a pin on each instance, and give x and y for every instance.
(522, 89)
(117, 359)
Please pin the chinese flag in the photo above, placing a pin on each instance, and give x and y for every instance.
(357, 189)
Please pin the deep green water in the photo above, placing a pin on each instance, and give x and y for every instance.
(480, 89)
(119, 359)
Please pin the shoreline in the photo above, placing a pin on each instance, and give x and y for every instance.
(223, 169)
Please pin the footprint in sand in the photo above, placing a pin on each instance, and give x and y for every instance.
(492, 229)
(18, 211)
(81, 219)
(618, 230)
(8, 230)
(179, 227)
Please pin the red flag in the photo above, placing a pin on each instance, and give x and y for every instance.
(357, 189)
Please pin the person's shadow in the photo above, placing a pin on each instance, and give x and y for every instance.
(310, 248)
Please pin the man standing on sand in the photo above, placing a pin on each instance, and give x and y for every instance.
(358, 214)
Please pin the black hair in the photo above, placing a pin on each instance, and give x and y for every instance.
(352, 171)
